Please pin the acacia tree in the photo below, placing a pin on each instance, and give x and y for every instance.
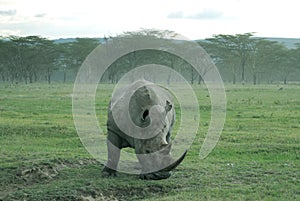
(2, 60)
(273, 59)
(221, 57)
(262, 57)
(64, 61)
(234, 48)
(72, 54)
(81, 48)
(48, 58)
(26, 58)
(12, 57)
(141, 57)
(161, 57)
(287, 63)
(297, 55)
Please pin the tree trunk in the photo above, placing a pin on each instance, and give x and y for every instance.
(285, 81)
(199, 79)
(35, 76)
(254, 79)
(192, 77)
(30, 78)
(233, 78)
(49, 79)
(3, 77)
(233, 68)
(49, 76)
(243, 62)
(65, 75)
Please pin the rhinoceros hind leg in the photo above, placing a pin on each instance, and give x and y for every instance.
(155, 176)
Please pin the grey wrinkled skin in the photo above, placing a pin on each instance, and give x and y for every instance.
(149, 104)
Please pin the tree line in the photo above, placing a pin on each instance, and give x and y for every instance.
(239, 58)
(33, 58)
(245, 58)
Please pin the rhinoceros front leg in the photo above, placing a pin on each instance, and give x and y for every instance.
(113, 151)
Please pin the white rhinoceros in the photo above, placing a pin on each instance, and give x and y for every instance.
(141, 116)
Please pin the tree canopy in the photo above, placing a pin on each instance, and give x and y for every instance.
(239, 58)
(246, 56)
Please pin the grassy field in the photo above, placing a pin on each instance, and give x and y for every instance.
(257, 157)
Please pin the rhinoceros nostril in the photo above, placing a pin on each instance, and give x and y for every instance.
(145, 114)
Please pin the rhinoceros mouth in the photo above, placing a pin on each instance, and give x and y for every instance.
(174, 164)
(164, 173)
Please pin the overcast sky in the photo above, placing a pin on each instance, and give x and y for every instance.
(195, 19)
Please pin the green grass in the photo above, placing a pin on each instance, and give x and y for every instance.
(257, 157)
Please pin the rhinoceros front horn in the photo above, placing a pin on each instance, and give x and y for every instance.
(174, 164)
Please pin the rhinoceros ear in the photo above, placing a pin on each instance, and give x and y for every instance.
(168, 106)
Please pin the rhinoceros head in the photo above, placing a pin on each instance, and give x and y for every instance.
(154, 153)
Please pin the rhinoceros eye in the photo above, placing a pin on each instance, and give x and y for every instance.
(145, 114)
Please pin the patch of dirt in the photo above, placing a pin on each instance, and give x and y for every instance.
(99, 197)
(45, 172)
(41, 172)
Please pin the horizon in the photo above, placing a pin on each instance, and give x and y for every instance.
(193, 19)
(99, 37)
